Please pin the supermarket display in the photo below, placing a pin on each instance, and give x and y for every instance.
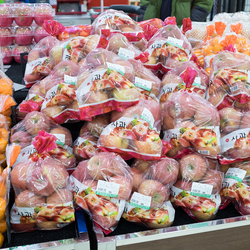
(123, 120)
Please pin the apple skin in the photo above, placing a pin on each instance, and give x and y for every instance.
(39, 34)
(91, 44)
(22, 138)
(142, 165)
(60, 196)
(18, 50)
(6, 37)
(156, 190)
(42, 13)
(214, 178)
(125, 186)
(140, 131)
(193, 167)
(81, 173)
(138, 178)
(7, 54)
(23, 36)
(21, 173)
(23, 15)
(47, 177)
(36, 121)
(230, 119)
(64, 131)
(165, 171)
(183, 185)
(29, 199)
(65, 67)
(100, 166)
(6, 15)
(245, 121)
(90, 183)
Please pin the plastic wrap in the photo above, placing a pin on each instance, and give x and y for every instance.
(101, 186)
(40, 33)
(77, 30)
(25, 132)
(187, 76)
(149, 203)
(105, 83)
(198, 189)
(135, 132)
(18, 50)
(189, 121)
(166, 49)
(6, 16)
(113, 21)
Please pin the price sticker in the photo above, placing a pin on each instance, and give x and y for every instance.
(197, 81)
(60, 139)
(144, 84)
(140, 200)
(234, 88)
(236, 173)
(126, 53)
(204, 152)
(175, 42)
(105, 188)
(116, 67)
(70, 79)
(147, 116)
(201, 189)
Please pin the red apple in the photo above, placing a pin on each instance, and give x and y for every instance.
(36, 121)
(6, 37)
(6, 15)
(138, 178)
(22, 138)
(125, 186)
(6, 54)
(183, 185)
(91, 43)
(140, 131)
(65, 68)
(193, 167)
(23, 15)
(40, 33)
(43, 12)
(90, 183)
(81, 172)
(142, 165)
(18, 50)
(149, 146)
(23, 35)
(154, 189)
(59, 197)
(29, 199)
(64, 132)
(100, 166)
(214, 178)
(165, 171)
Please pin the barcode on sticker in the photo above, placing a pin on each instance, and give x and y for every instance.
(140, 200)
(204, 152)
(201, 189)
(175, 42)
(144, 84)
(236, 173)
(105, 188)
(126, 53)
(234, 88)
(116, 67)
(70, 79)
(147, 116)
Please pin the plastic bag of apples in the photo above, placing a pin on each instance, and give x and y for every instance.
(101, 186)
(191, 123)
(135, 132)
(43, 198)
(105, 83)
(187, 76)
(25, 132)
(166, 49)
(236, 188)
(113, 21)
(149, 203)
(198, 189)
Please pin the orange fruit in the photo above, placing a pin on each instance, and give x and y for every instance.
(1, 239)
(3, 226)
(2, 189)
(2, 208)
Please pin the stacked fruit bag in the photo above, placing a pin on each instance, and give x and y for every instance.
(166, 49)
(149, 203)
(72, 31)
(198, 189)
(42, 156)
(101, 186)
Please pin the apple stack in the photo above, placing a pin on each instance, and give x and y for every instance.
(149, 203)
(101, 186)
(197, 190)
(39, 175)
(85, 146)
(187, 76)
(166, 49)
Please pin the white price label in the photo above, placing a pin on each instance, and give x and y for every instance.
(197, 81)
(116, 67)
(126, 53)
(106, 188)
(204, 152)
(175, 42)
(144, 84)
(140, 200)
(201, 189)
(147, 116)
(70, 79)
(236, 173)
(60, 139)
